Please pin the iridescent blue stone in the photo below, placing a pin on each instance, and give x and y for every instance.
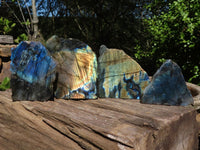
(168, 87)
(76, 68)
(33, 72)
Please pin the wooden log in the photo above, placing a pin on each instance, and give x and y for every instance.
(6, 39)
(5, 70)
(195, 91)
(5, 50)
(109, 124)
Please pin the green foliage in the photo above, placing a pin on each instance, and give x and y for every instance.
(174, 33)
(27, 23)
(21, 37)
(5, 84)
(6, 26)
(196, 75)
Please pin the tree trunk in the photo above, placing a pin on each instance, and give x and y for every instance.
(35, 21)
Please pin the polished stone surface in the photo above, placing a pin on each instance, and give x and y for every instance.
(76, 68)
(33, 72)
(119, 76)
(168, 87)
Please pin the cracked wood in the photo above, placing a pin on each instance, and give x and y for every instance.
(95, 124)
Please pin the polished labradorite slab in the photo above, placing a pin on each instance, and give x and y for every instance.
(76, 68)
(119, 76)
(33, 72)
(168, 87)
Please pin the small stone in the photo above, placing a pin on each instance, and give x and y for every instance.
(168, 87)
(33, 72)
(76, 68)
(119, 75)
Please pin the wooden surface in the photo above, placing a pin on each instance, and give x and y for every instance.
(6, 39)
(108, 124)
(195, 91)
(5, 70)
(5, 50)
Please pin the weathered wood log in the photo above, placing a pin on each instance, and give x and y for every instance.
(6, 39)
(5, 70)
(5, 50)
(108, 124)
(195, 91)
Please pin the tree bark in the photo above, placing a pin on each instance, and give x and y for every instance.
(35, 20)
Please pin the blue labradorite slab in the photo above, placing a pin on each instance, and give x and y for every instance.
(168, 87)
(33, 72)
(119, 76)
(76, 68)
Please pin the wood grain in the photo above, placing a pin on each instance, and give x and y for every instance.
(5, 50)
(95, 124)
(6, 39)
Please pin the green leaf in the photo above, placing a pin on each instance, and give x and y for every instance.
(13, 25)
(21, 37)
(5, 84)
(6, 26)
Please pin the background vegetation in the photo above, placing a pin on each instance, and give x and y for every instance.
(150, 31)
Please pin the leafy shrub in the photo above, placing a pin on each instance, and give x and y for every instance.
(21, 37)
(6, 26)
(174, 34)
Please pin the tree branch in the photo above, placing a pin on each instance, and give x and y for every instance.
(23, 16)
(29, 14)
(20, 22)
(79, 26)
